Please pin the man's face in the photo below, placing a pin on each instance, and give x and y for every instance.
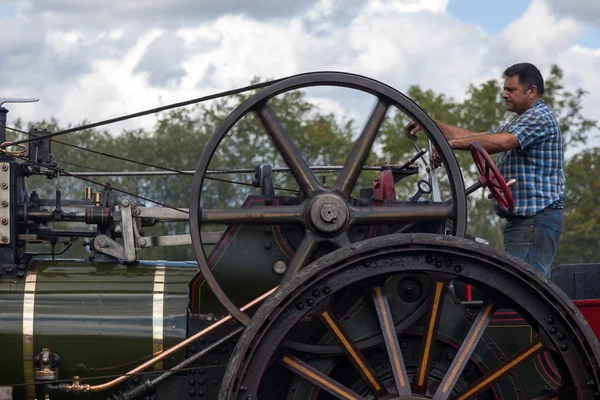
(517, 99)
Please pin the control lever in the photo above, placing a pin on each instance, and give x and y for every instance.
(423, 188)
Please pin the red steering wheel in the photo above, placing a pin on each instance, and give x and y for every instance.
(491, 177)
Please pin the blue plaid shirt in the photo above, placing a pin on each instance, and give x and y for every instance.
(537, 164)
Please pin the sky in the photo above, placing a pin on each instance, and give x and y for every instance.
(97, 59)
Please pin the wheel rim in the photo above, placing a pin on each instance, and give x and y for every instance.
(562, 331)
(387, 97)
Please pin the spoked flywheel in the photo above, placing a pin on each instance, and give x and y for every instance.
(522, 339)
(326, 213)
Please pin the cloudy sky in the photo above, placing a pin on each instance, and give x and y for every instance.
(95, 59)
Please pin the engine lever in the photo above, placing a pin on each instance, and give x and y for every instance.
(420, 153)
(423, 187)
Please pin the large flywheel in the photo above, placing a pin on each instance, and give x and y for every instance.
(326, 213)
(304, 342)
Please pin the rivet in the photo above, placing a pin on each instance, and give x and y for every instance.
(326, 290)
(300, 306)
(4, 221)
(550, 320)
(4, 239)
(438, 264)
(316, 293)
(457, 269)
(268, 245)
(4, 203)
(561, 336)
(4, 185)
(310, 302)
(4, 167)
(564, 347)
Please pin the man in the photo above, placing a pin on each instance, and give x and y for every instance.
(530, 150)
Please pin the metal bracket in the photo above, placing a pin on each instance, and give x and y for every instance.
(104, 244)
(17, 100)
(128, 230)
(5, 203)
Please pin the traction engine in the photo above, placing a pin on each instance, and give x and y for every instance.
(334, 292)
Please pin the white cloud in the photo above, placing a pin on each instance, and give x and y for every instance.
(94, 71)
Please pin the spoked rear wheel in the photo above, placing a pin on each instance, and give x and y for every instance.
(318, 303)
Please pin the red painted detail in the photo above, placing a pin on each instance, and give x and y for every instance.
(591, 311)
(468, 292)
(383, 186)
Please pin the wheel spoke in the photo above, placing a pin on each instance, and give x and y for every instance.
(358, 156)
(404, 213)
(432, 321)
(302, 256)
(491, 377)
(318, 378)
(257, 215)
(288, 150)
(391, 340)
(466, 349)
(352, 352)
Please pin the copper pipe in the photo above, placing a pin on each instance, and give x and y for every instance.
(167, 353)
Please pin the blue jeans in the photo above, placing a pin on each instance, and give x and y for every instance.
(535, 239)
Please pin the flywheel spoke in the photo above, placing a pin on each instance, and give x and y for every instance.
(466, 349)
(509, 365)
(352, 352)
(439, 286)
(304, 251)
(319, 378)
(391, 340)
(358, 156)
(257, 215)
(405, 213)
(288, 150)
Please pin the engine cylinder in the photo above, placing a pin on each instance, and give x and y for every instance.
(100, 318)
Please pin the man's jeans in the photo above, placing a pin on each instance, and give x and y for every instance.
(535, 239)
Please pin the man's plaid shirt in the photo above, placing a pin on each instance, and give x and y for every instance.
(537, 164)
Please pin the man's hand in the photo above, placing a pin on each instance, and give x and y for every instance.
(435, 159)
(411, 129)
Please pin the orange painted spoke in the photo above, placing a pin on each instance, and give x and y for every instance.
(352, 352)
(492, 377)
(391, 340)
(464, 353)
(358, 156)
(319, 378)
(288, 150)
(432, 321)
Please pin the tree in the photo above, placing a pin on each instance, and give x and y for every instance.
(580, 240)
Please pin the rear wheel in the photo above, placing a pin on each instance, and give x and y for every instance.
(352, 301)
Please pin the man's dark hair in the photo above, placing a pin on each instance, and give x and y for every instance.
(528, 75)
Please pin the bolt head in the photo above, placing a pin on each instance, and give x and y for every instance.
(125, 202)
(142, 242)
(130, 257)
(4, 203)
(4, 185)
(4, 239)
(4, 221)
(4, 167)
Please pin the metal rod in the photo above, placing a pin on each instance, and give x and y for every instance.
(322, 168)
(196, 356)
(167, 353)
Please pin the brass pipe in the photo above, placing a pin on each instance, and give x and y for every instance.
(167, 353)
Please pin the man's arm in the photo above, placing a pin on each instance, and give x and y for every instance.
(491, 142)
(450, 132)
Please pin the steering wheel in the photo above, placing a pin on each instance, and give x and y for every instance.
(491, 177)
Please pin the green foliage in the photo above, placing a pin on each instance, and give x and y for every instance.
(580, 240)
(179, 136)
